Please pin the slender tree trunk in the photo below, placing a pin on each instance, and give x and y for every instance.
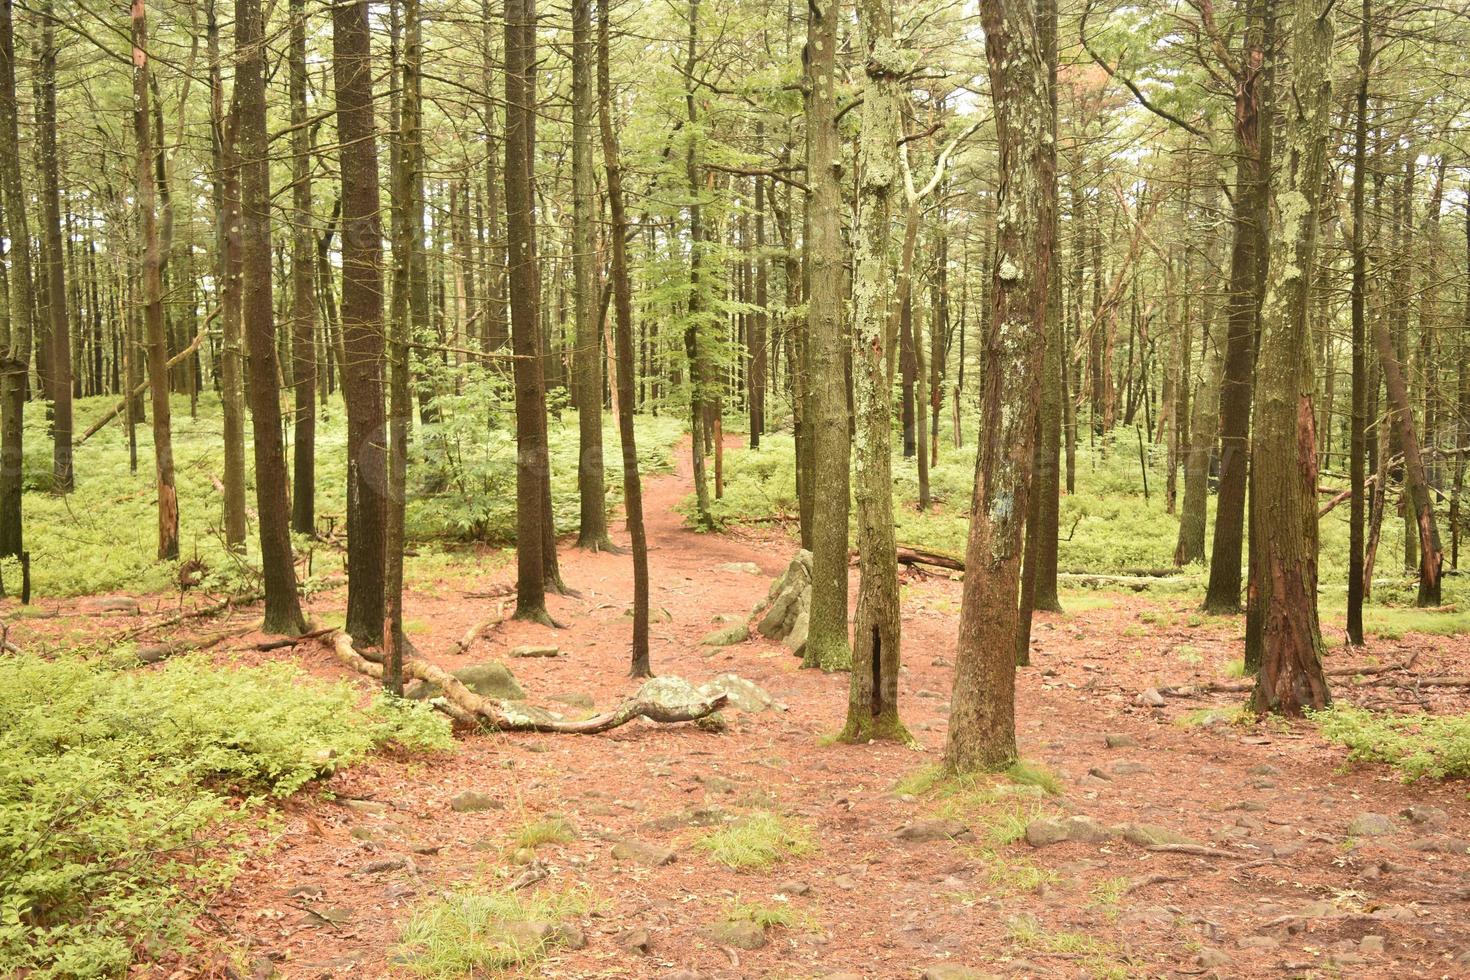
(872, 700)
(693, 341)
(827, 644)
(1358, 441)
(303, 291)
(1242, 314)
(1204, 430)
(530, 393)
(282, 607)
(592, 533)
(982, 733)
(623, 310)
(362, 320)
(759, 319)
(157, 339)
(1291, 677)
(61, 379)
(17, 327)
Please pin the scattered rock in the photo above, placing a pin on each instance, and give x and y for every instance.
(472, 801)
(384, 865)
(739, 568)
(371, 808)
(1054, 830)
(1259, 942)
(1371, 825)
(743, 694)
(635, 940)
(699, 816)
(1129, 768)
(953, 971)
(535, 651)
(569, 935)
(940, 662)
(1150, 698)
(642, 852)
(729, 636)
(1097, 772)
(489, 680)
(1440, 844)
(932, 830)
(1371, 944)
(1118, 740)
(1422, 815)
(793, 887)
(742, 935)
(1212, 959)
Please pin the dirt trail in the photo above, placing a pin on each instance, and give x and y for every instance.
(1282, 887)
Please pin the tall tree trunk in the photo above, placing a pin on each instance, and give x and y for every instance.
(362, 320)
(1285, 464)
(623, 311)
(153, 249)
(303, 291)
(1204, 430)
(592, 533)
(282, 607)
(1039, 559)
(61, 379)
(17, 328)
(228, 368)
(1242, 314)
(982, 733)
(756, 375)
(693, 342)
(872, 700)
(827, 644)
(532, 464)
(1358, 440)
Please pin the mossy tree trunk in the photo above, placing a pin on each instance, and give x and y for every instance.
(303, 287)
(982, 733)
(15, 342)
(827, 645)
(1290, 678)
(872, 704)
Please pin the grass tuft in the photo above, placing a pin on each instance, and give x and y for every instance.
(758, 841)
(468, 930)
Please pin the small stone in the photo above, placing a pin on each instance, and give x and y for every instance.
(1370, 825)
(1129, 768)
(1440, 844)
(1259, 942)
(370, 808)
(1265, 769)
(1371, 944)
(1086, 830)
(845, 882)
(384, 865)
(940, 662)
(569, 935)
(953, 971)
(793, 887)
(1212, 959)
(1045, 831)
(742, 934)
(641, 852)
(535, 651)
(1422, 815)
(530, 934)
(634, 939)
(471, 801)
(1150, 698)
(1097, 772)
(729, 636)
(932, 830)
(1118, 740)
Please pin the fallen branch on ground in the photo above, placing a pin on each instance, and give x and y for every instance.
(162, 651)
(505, 717)
(226, 605)
(473, 633)
(291, 641)
(1198, 850)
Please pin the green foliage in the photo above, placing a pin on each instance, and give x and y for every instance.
(765, 916)
(469, 930)
(1025, 773)
(102, 538)
(548, 830)
(1018, 875)
(116, 793)
(1418, 745)
(758, 841)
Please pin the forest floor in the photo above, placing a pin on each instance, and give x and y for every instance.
(1301, 866)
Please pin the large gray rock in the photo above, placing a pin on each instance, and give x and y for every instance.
(642, 852)
(489, 680)
(1146, 835)
(727, 636)
(471, 801)
(1371, 825)
(742, 934)
(932, 830)
(786, 614)
(1045, 831)
(743, 694)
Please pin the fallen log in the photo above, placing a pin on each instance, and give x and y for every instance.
(675, 705)
(910, 555)
(160, 652)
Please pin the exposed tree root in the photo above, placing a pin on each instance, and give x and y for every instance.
(473, 633)
(665, 702)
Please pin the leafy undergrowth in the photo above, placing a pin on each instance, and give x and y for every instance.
(758, 841)
(469, 931)
(120, 791)
(1418, 746)
(102, 537)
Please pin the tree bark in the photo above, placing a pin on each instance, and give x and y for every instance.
(872, 700)
(15, 344)
(982, 733)
(1358, 439)
(1291, 679)
(827, 643)
(303, 286)
(623, 310)
(362, 320)
(62, 480)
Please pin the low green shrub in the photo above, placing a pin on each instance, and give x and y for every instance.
(119, 790)
(1418, 745)
(469, 931)
(760, 840)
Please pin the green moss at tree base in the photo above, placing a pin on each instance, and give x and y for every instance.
(885, 727)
